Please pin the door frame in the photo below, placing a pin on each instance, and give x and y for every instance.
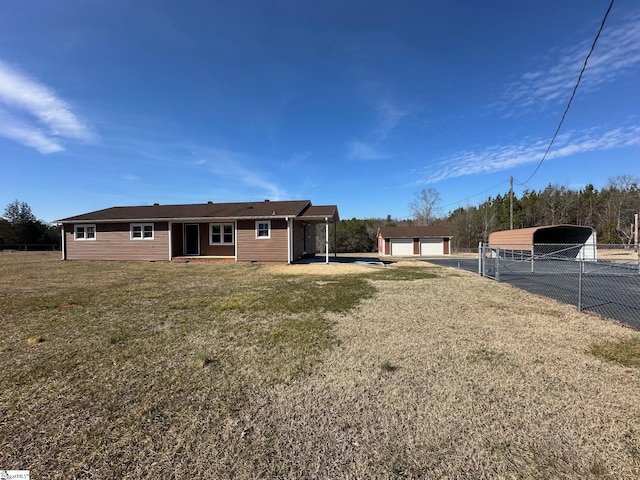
(186, 243)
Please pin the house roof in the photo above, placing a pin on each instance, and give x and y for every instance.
(320, 212)
(203, 211)
(413, 232)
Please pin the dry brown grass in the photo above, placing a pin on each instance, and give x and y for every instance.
(220, 371)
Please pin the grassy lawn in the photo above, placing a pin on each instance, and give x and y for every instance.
(143, 370)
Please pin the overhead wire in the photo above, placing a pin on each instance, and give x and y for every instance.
(573, 94)
(564, 114)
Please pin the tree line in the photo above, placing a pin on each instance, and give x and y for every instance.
(20, 227)
(610, 211)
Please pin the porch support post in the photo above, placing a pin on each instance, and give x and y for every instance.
(63, 245)
(170, 239)
(326, 240)
(289, 253)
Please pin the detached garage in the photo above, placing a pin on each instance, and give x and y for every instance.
(413, 241)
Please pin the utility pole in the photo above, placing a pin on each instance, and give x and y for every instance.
(511, 202)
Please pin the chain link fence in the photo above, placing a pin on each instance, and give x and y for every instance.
(604, 279)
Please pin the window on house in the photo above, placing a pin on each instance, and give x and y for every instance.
(84, 232)
(142, 231)
(221, 234)
(263, 229)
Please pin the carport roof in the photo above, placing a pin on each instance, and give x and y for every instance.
(527, 236)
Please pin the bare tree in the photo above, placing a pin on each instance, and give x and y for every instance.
(426, 206)
(623, 198)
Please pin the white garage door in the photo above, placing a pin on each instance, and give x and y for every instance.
(402, 246)
(431, 246)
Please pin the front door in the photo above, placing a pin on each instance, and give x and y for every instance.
(192, 239)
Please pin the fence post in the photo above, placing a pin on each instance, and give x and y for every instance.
(480, 254)
(497, 264)
(580, 271)
(533, 254)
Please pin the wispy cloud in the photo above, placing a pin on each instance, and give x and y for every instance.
(390, 115)
(500, 158)
(616, 53)
(358, 150)
(234, 165)
(34, 116)
(15, 129)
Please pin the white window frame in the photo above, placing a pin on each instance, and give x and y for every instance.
(85, 232)
(142, 227)
(263, 237)
(222, 234)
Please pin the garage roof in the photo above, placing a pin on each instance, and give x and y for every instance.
(413, 232)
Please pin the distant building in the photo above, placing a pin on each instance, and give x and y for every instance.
(414, 241)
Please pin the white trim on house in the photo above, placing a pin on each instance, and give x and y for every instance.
(63, 243)
(289, 242)
(88, 232)
(326, 240)
(146, 231)
(262, 229)
(222, 234)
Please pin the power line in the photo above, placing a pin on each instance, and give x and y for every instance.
(553, 139)
(475, 194)
(573, 94)
(442, 207)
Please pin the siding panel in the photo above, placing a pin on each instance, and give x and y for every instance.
(113, 242)
(251, 249)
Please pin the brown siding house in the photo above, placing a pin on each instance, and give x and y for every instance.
(278, 231)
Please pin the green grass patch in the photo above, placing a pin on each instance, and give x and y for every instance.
(406, 273)
(203, 359)
(387, 367)
(625, 352)
(486, 355)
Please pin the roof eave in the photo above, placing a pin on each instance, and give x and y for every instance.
(174, 219)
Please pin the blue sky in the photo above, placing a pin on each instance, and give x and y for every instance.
(354, 103)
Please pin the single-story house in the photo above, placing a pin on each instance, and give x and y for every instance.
(278, 231)
(569, 241)
(414, 241)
